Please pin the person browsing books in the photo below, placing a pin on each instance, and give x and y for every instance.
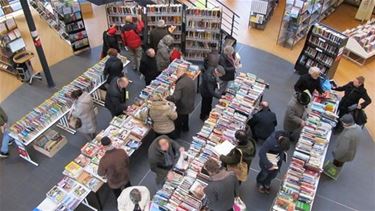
(114, 166)
(110, 40)
(113, 67)
(245, 149)
(309, 81)
(135, 198)
(271, 155)
(115, 100)
(131, 37)
(164, 52)
(212, 59)
(163, 154)
(184, 98)
(4, 133)
(159, 32)
(228, 62)
(148, 66)
(263, 122)
(222, 187)
(208, 89)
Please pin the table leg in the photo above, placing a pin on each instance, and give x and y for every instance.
(86, 203)
(63, 124)
(23, 153)
(99, 201)
(96, 97)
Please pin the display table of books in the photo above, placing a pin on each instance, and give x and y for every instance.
(126, 132)
(55, 109)
(228, 116)
(298, 190)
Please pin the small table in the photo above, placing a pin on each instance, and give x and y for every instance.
(23, 58)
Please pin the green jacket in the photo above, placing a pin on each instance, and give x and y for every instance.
(3, 117)
(234, 156)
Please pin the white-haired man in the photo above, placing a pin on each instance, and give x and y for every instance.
(309, 81)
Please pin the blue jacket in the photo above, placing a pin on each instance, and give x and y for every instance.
(272, 146)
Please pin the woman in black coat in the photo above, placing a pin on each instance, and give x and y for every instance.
(354, 92)
(113, 67)
(110, 40)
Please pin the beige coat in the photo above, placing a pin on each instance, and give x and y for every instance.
(163, 113)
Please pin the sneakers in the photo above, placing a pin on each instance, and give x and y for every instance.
(10, 142)
(4, 155)
(261, 189)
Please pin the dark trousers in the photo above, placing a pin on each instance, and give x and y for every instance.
(265, 177)
(206, 107)
(171, 135)
(338, 163)
(117, 192)
(182, 123)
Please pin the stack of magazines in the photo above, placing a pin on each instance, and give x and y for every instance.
(301, 180)
(228, 116)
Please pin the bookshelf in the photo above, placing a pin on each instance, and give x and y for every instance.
(66, 19)
(172, 15)
(126, 132)
(298, 189)
(228, 116)
(361, 43)
(202, 28)
(11, 42)
(323, 48)
(117, 11)
(298, 16)
(260, 13)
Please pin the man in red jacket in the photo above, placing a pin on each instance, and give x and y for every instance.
(132, 40)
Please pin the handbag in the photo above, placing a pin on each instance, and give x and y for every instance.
(239, 205)
(240, 169)
(74, 122)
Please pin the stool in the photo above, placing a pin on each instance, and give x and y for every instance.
(25, 70)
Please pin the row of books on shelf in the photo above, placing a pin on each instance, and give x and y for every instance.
(308, 62)
(364, 35)
(301, 181)
(7, 25)
(203, 25)
(205, 36)
(328, 34)
(228, 116)
(164, 9)
(170, 20)
(121, 10)
(331, 49)
(204, 12)
(35, 122)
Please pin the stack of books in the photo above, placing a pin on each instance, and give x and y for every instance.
(29, 127)
(364, 35)
(301, 181)
(228, 116)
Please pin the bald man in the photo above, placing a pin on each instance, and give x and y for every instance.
(263, 122)
(115, 100)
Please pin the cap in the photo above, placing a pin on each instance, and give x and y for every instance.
(220, 69)
(347, 119)
(161, 23)
(105, 141)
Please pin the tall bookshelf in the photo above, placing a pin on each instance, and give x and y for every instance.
(66, 19)
(11, 42)
(117, 11)
(298, 16)
(203, 28)
(323, 48)
(172, 15)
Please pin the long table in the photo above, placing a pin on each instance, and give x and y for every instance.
(61, 120)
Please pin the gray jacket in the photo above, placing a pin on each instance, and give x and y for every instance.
(346, 143)
(293, 115)
(83, 108)
(184, 95)
(163, 53)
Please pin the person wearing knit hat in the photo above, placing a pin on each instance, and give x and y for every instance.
(208, 89)
(110, 40)
(114, 166)
(157, 33)
(345, 147)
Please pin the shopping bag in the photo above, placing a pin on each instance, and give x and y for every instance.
(239, 205)
(331, 170)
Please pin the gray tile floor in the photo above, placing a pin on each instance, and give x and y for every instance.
(23, 186)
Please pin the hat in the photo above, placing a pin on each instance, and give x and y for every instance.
(105, 141)
(220, 69)
(161, 23)
(347, 119)
(112, 31)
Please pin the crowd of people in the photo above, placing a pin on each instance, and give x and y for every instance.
(170, 118)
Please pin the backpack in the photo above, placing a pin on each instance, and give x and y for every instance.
(240, 169)
(131, 39)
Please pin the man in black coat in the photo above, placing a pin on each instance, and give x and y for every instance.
(354, 92)
(208, 89)
(148, 66)
(309, 81)
(110, 40)
(263, 123)
(115, 100)
(113, 66)
(227, 61)
(158, 33)
(213, 58)
(184, 98)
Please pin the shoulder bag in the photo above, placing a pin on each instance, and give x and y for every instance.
(240, 169)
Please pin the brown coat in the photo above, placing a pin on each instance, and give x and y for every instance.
(114, 165)
(163, 114)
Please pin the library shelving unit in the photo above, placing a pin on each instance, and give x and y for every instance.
(66, 19)
(117, 11)
(361, 43)
(323, 48)
(298, 16)
(172, 15)
(9, 6)
(202, 29)
(11, 42)
(260, 13)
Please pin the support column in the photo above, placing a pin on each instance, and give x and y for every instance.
(37, 42)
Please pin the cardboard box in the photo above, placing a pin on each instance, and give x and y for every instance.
(54, 150)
